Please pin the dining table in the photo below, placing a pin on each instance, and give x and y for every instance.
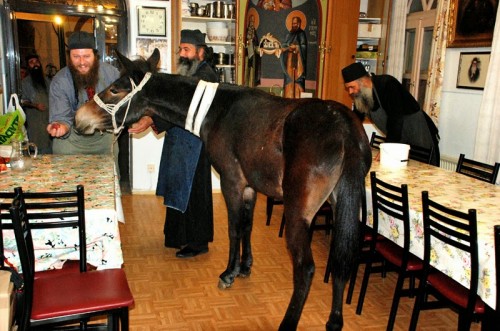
(103, 210)
(454, 190)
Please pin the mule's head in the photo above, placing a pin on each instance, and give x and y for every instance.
(92, 117)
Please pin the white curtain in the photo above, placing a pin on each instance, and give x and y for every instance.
(432, 102)
(395, 56)
(487, 145)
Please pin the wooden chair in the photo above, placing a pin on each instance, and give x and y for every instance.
(37, 205)
(62, 298)
(478, 170)
(421, 154)
(270, 203)
(443, 225)
(325, 210)
(392, 201)
(376, 140)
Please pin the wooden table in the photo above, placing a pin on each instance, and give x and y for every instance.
(102, 209)
(456, 191)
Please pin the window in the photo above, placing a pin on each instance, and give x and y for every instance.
(418, 46)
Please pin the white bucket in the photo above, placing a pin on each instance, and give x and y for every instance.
(394, 155)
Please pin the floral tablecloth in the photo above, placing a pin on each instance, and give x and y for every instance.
(456, 191)
(102, 209)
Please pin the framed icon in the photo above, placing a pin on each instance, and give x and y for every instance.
(471, 23)
(472, 70)
(152, 21)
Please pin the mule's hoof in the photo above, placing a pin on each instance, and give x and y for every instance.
(245, 274)
(223, 285)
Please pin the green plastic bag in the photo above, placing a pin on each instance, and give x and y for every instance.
(12, 123)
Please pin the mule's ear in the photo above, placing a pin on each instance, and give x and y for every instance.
(154, 59)
(125, 62)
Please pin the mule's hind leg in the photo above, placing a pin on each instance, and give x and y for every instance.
(249, 199)
(299, 245)
(240, 207)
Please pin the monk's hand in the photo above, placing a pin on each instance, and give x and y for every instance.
(141, 125)
(56, 129)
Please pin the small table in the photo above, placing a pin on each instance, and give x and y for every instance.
(456, 191)
(102, 209)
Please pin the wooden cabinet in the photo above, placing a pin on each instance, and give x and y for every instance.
(341, 42)
(224, 49)
(339, 48)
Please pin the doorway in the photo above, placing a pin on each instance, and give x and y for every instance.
(44, 26)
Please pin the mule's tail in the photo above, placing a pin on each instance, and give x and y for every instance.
(350, 191)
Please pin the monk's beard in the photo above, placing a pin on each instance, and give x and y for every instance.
(89, 79)
(187, 67)
(364, 100)
(37, 78)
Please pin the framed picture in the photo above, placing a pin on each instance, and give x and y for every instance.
(471, 23)
(472, 70)
(152, 21)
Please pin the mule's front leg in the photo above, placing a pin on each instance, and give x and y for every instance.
(240, 213)
(299, 245)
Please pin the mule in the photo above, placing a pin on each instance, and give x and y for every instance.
(301, 151)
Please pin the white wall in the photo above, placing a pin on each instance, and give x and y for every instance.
(459, 109)
(146, 147)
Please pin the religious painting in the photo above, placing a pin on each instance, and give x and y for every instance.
(471, 23)
(281, 46)
(472, 70)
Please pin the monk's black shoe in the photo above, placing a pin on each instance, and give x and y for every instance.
(189, 251)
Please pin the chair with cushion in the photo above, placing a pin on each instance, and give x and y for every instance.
(456, 229)
(376, 140)
(38, 205)
(66, 297)
(393, 202)
(421, 154)
(478, 170)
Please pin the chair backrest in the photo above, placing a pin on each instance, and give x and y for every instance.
(478, 170)
(24, 241)
(496, 230)
(57, 209)
(393, 201)
(443, 225)
(376, 140)
(421, 154)
(5, 203)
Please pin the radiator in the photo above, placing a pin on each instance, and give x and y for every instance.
(448, 162)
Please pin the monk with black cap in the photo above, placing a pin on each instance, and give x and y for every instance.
(184, 178)
(71, 87)
(393, 110)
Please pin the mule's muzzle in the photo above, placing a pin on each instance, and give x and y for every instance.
(90, 118)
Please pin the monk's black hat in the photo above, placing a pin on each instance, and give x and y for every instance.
(81, 40)
(195, 37)
(31, 55)
(353, 71)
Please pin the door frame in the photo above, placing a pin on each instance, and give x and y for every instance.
(9, 39)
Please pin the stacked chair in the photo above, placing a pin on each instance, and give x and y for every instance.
(51, 299)
(443, 225)
(392, 201)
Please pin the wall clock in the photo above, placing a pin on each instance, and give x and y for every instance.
(152, 21)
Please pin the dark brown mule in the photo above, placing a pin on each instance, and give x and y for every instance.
(302, 151)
